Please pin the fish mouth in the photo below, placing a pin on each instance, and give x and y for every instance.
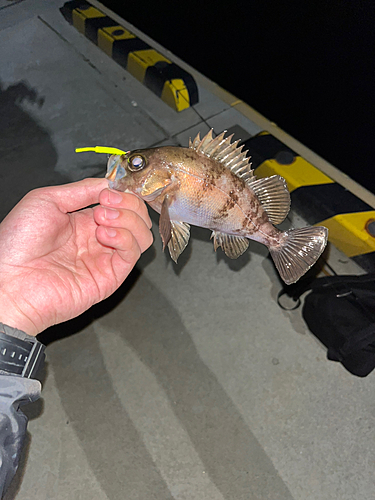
(115, 171)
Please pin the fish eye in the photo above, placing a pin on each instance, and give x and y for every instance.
(136, 162)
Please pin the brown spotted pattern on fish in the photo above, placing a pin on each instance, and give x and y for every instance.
(211, 185)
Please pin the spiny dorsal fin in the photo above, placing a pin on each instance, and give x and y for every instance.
(226, 152)
(195, 143)
(274, 196)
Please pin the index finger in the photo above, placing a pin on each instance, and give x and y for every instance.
(127, 201)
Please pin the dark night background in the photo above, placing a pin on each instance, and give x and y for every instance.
(308, 66)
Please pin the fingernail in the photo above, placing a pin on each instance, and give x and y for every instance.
(111, 232)
(114, 197)
(111, 213)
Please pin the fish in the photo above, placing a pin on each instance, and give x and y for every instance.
(211, 184)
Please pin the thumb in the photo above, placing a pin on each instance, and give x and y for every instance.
(74, 196)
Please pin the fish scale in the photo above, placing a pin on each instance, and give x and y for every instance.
(211, 184)
(202, 211)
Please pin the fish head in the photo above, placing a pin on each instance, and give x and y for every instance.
(143, 172)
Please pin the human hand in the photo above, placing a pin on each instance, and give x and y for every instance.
(58, 258)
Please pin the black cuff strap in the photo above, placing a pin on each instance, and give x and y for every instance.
(20, 354)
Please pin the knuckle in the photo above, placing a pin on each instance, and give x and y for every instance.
(137, 203)
(129, 219)
(127, 238)
(129, 241)
(37, 193)
(102, 195)
(150, 238)
(146, 241)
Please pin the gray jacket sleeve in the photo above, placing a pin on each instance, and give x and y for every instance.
(14, 392)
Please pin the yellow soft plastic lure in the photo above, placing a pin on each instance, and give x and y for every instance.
(102, 149)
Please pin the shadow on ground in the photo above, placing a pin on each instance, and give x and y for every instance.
(147, 322)
(27, 154)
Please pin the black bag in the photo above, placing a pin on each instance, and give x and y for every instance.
(340, 312)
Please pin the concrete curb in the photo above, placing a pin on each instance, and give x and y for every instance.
(318, 198)
(175, 86)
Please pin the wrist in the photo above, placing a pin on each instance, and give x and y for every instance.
(20, 354)
(12, 315)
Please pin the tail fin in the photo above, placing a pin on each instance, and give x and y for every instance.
(299, 251)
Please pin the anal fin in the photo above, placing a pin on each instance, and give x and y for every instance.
(233, 246)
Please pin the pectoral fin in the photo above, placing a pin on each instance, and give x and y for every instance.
(173, 233)
(179, 239)
(233, 246)
(165, 226)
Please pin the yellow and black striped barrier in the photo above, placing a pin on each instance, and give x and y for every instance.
(167, 80)
(319, 199)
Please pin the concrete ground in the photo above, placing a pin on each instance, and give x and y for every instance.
(190, 382)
